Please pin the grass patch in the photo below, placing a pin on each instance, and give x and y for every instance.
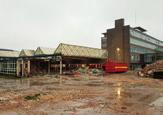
(33, 97)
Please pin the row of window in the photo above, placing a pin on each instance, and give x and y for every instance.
(140, 50)
(8, 67)
(152, 57)
(148, 58)
(145, 37)
(135, 41)
(135, 57)
(142, 43)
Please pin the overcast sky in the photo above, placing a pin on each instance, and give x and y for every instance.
(28, 24)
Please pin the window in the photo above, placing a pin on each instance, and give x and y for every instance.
(135, 57)
(8, 67)
(145, 37)
(148, 58)
(141, 50)
(104, 42)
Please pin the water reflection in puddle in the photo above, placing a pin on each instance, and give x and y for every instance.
(118, 90)
(14, 84)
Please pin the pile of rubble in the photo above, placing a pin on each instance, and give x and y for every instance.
(85, 71)
(96, 72)
(149, 70)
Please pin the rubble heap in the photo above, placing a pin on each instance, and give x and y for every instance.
(151, 68)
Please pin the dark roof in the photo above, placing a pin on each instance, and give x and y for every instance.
(140, 29)
(5, 49)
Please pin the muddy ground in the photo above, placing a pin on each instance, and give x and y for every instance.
(112, 94)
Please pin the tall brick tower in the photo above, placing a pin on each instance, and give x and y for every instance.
(117, 42)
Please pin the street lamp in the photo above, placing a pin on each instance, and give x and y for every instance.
(118, 54)
(118, 49)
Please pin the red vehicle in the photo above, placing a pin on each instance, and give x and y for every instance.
(112, 67)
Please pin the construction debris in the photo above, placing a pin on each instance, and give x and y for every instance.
(96, 72)
(88, 71)
(150, 69)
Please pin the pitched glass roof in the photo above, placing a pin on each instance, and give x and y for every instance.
(26, 52)
(81, 51)
(44, 51)
(64, 49)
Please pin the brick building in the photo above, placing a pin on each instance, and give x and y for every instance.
(130, 45)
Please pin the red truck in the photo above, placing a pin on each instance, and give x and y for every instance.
(113, 67)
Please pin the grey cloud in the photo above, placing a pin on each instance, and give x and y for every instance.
(32, 23)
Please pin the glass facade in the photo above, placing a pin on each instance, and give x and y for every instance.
(8, 67)
(135, 58)
(143, 44)
(140, 43)
(140, 50)
(145, 37)
(149, 58)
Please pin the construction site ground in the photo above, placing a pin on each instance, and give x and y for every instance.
(111, 94)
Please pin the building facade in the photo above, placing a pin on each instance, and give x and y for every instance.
(42, 61)
(130, 45)
(8, 61)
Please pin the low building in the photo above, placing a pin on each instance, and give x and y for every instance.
(34, 62)
(126, 44)
(8, 59)
(65, 57)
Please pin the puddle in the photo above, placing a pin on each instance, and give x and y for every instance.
(25, 83)
(95, 83)
(14, 84)
(156, 107)
(119, 89)
(71, 108)
(158, 102)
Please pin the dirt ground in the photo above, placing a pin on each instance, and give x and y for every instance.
(112, 94)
